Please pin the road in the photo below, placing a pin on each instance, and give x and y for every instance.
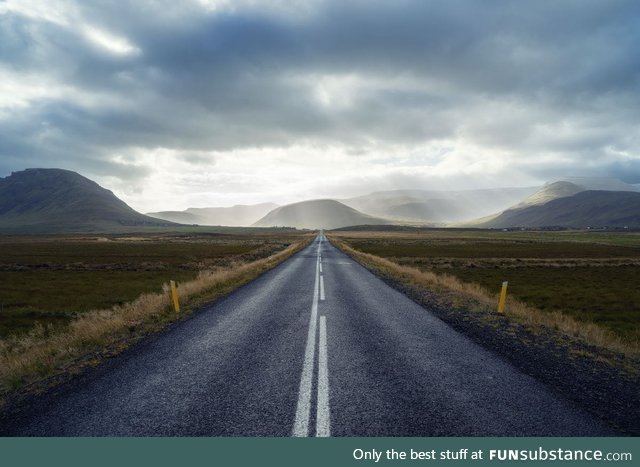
(318, 346)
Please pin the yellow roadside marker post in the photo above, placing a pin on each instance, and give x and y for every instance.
(174, 296)
(503, 297)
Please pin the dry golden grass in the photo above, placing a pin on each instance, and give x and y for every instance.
(42, 353)
(453, 293)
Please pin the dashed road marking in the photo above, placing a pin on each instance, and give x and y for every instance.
(303, 408)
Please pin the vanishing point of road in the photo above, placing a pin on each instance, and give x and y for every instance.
(318, 346)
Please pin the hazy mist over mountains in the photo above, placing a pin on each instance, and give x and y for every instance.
(437, 206)
(318, 214)
(237, 216)
(490, 208)
(54, 200)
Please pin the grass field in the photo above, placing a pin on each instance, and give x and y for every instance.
(591, 276)
(71, 302)
(51, 280)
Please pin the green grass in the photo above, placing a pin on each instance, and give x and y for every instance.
(483, 248)
(30, 358)
(51, 280)
(117, 252)
(592, 276)
(55, 297)
(608, 296)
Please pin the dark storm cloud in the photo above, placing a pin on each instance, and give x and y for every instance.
(494, 72)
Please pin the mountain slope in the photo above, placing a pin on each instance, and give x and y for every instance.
(572, 186)
(238, 215)
(584, 209)
(552, 191)
(57, 201)
(317, 214)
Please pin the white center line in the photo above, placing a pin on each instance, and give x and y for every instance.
(301, 424)
(323, 422)
(303, 409)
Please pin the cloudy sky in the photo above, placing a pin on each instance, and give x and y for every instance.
(211, 103)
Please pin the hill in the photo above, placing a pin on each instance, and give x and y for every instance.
(237, 216)
(572, 186)
(317, 214)
(62, 201)
(552, 191)
(584, 209)
(437, 207)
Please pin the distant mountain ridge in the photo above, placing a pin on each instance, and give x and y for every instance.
(317, 214)
(573, 185)
(589, 208)
(433, 207)
(239, 215)
(552, 191)
(62, 201)
(557, 204)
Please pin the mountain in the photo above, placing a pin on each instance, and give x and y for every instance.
(571, 186)
(62, 201)
(601, 184)
(519, 216)
(317, 214)
(238, 215)
(585, 209)
(430, 206)
(552, 191)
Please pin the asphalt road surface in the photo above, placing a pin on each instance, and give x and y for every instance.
(317, 346)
